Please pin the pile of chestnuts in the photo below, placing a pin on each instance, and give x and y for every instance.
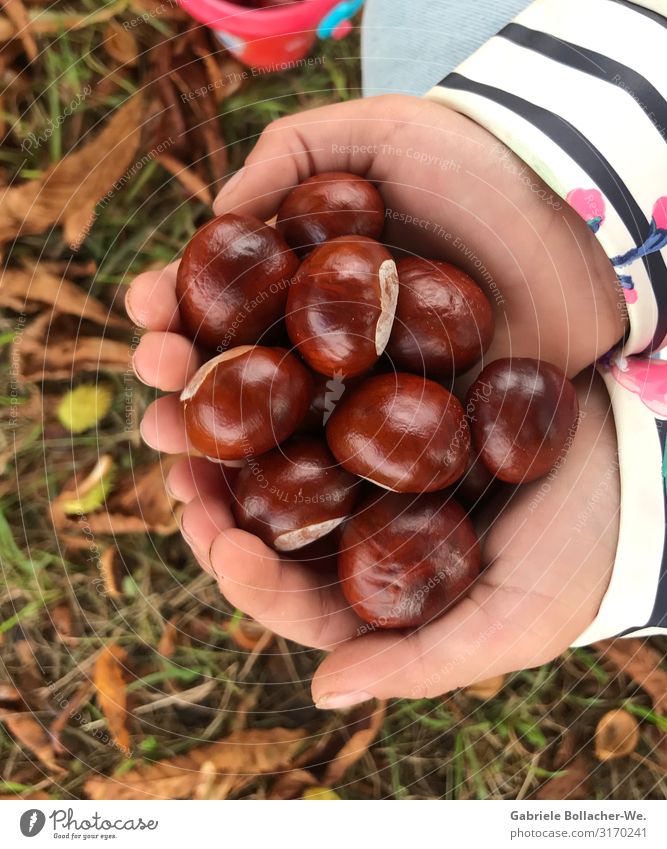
(329, 390)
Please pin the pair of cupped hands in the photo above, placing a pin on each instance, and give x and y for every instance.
(454, 193)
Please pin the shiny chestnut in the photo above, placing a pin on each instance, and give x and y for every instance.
(293, 495)
(245, 401)
(523, 415)
(443, 323)
(402, 432)
(341, 304)
(403, 559)
(475, 484)
(233, 280)
(328, 205)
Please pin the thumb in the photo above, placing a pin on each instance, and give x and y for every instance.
(493, 631)
(340, 137)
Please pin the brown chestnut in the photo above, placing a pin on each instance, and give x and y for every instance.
(341, 305)
(233, 280)
(443, 323)
(328, 205)
(401, 432)
(523, 413)
(245, 401)
(293, 495)
(404, 559)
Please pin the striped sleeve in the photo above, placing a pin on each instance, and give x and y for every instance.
(578, 90)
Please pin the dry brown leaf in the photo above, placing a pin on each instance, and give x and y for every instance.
(61, 619)
(110, 571)
(22, 796)
(120, 44)
(48, 22)
(9, 694)
(237, 759)
(24, 289)
(292, 784)
(69, 190)
(139, 502)
(168, 639)
(616, 735)
(191, 182)
(34, 737)
(109, 680)
(637, 659)
(487, 689)
(573, 784)
(17, 14)
(52, 347)
(356, 747)
(69, 708)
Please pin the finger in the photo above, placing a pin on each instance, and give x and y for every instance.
(166, 361)
(288, 598)
(202, 520)
(163, 426)
(493, 631)
(151, 301)
(293, 148)
(196, 477)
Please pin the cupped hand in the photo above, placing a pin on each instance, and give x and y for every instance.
(452, 192)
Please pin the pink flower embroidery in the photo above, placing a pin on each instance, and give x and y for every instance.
(590, 204)
(660, 213)
(647, 378)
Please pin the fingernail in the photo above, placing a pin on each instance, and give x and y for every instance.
(128, 310)
(331, 701)
(184, 532)
(137, 372)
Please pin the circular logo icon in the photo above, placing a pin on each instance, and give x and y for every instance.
(32, 822)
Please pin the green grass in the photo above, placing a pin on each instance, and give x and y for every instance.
(453, 747)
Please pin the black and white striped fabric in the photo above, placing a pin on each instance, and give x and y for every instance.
(578, 90)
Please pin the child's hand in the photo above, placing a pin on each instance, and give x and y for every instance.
(452, 192)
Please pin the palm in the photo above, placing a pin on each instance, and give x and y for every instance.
(555, 298)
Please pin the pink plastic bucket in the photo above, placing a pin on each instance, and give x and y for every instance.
(271, 39)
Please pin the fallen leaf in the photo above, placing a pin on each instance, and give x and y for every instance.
(139, 502)
(191, 182)
(638, 660)
(111, 573)
(487, 689)
(356, 747)
(167, 644)
(109, 680)
(9, 694)
(24, 289)
(573, 784)
(34, 737)
(319, 794)
(237, 759)
(53, 347)
(120, 44)
(69, 191)
(84, 407)
(616, 735)
(69, 708)
(61, 619)
(17, 14)
(80, 497)
(292, 784)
